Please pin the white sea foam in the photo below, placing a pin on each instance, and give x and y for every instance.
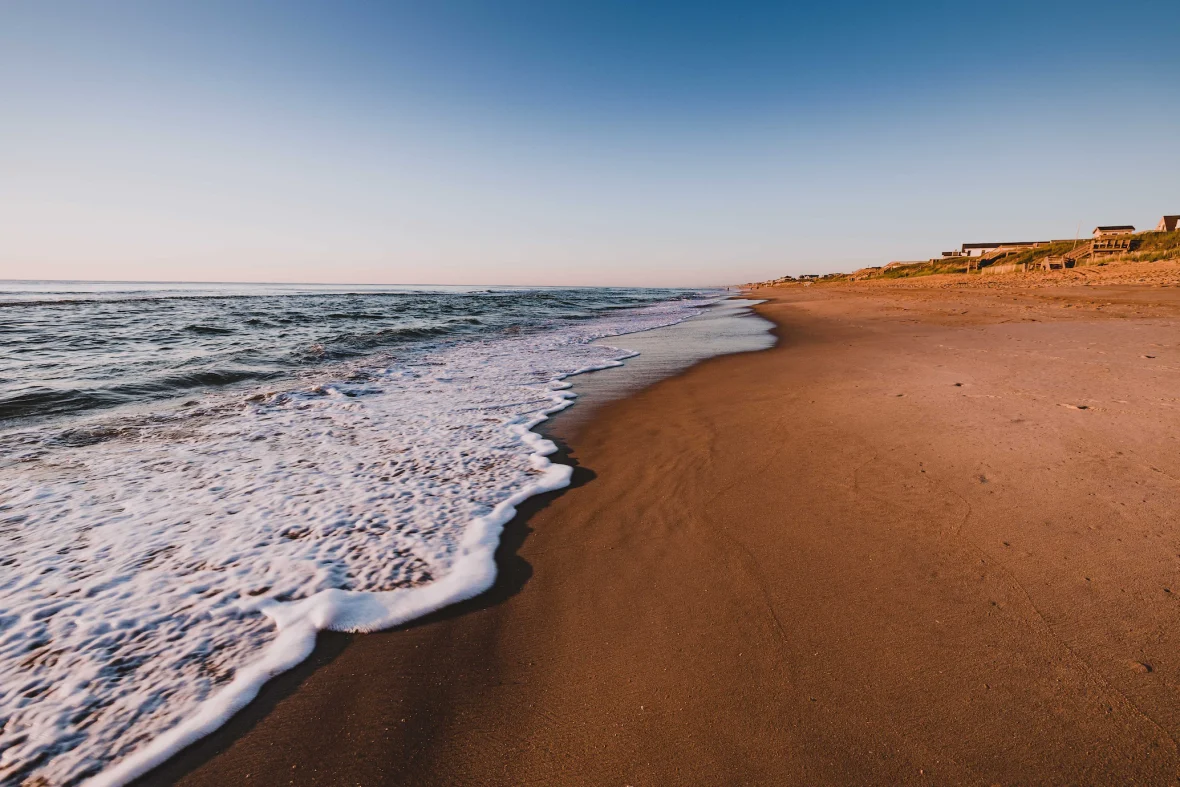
(152, 580)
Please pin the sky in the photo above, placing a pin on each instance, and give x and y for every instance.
(605, 142)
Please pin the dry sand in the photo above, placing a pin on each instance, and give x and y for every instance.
(929, 538)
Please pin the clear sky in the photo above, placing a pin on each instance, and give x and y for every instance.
(549, 142)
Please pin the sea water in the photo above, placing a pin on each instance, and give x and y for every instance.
(194, 480)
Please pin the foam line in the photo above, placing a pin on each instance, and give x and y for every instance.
(473, 573)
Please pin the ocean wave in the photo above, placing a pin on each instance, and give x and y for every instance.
(42, 402)
(73, 356)
(209, 330)
(160, 567)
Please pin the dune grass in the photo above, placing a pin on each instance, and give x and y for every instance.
(1154, 246)
(1148, 247)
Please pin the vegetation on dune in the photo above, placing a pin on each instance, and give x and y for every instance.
(951, 265)
(1148, 247)
(1155, 246)
(1034, 256)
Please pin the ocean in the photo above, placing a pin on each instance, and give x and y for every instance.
(195, 479)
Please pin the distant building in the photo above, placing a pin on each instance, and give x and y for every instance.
(1168, 224)
(980, 249)
(1114, 229)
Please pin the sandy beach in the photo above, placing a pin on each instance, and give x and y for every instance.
(928, 538)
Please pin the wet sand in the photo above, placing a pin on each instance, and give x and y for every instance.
(928, 538)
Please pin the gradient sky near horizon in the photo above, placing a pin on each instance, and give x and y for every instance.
(550, 142)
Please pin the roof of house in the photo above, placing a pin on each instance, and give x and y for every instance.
(1115, 227)
(997, 245)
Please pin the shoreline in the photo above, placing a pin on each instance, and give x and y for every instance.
(848, 558)
(544, 434)
(726, 327)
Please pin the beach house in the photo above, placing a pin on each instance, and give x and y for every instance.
(1114, 229)
(984, 249)
(1168, 224)
(978, 249)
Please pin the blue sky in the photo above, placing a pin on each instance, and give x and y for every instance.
(570, 143)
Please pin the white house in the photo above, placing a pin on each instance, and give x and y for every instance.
(980, 249)
(1114, 229)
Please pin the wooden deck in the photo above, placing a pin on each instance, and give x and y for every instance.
(1106, 247)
